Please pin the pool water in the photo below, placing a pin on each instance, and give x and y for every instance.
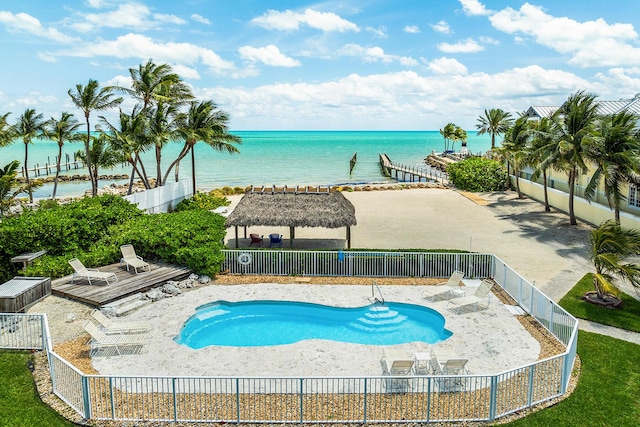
(267, 323)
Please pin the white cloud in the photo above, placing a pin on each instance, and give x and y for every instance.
(590, 43)
(411, 29)
(380, 32)
(130, 15)
(441, 27)
(269, 55)
(201, 19)
(473, 8)
(374, 54)
(464, 46)
(289, 21)
(142, 47)
(449, 66)
(25, 23)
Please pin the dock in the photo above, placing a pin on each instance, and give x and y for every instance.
(99, 293)
(402, 172)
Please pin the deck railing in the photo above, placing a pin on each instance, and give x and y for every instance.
(373, 399)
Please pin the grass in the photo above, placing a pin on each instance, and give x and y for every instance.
(20, 404)
(608, 390)
(626, 318)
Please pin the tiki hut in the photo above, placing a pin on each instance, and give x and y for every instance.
(293, 207)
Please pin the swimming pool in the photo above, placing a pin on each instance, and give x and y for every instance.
(268, 323)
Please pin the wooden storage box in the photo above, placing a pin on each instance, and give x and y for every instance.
(20, 292)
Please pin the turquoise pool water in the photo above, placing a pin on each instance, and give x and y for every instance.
(267, 323)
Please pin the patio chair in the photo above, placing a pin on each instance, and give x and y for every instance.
(482, 293)
(101, 340)
(90, 273)
(256, 239)
(130, 258)
(110, 326)
(444, 288)
(453, 367)
(275, 240)
(396, 368)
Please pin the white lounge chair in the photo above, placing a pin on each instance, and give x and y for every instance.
(100, 340)
(90, 273)
(397, 365)
(482, 293)
(111, 326)
(130, 258)
(453, 367)
(444, 288)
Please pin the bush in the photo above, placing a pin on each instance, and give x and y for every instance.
(207, 201)
(478, 174)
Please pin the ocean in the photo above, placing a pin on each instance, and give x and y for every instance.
(267, 158)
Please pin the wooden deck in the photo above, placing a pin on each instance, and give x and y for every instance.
(99, 293)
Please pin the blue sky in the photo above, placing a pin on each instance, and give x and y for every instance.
(361, 64)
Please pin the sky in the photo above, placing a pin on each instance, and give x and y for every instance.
(327, 65)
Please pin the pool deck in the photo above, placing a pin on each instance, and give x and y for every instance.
(510, 346)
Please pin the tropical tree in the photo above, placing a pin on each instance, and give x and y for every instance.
(64, 129)
(448, 133)
(610, 248)
(157, 87)
(515, 148)
(6, 131)
(91, 98)
(494, 122)
(10, 187)
(541, 138)
(207, 123)
(129, 139)
(29, 125)
(461, 135)
(616, 154)
(573, 132)
(102, 155)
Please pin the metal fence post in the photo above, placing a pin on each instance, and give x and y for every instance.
(238, 400)
(175, 403)
(532, 369)
(86, 402)
(493, 398)
(301, 401)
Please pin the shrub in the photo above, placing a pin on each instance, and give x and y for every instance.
(207, 201)
(478, 174)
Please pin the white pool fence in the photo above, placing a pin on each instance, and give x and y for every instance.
(374, 399)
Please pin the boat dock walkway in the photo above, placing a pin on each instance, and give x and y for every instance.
(411, 173)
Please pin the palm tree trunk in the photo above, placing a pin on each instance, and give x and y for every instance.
(493, 140)
(572, 180)
(183, 153)
(87, 151)
(143, 175)
(26, 171)
(520, 196)
(193, 170)
(55, 180)
(617, 213)
(546, 194)
(158, 169)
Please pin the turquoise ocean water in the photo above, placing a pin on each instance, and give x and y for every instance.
(269, 157)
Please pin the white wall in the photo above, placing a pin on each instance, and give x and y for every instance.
(163, 198)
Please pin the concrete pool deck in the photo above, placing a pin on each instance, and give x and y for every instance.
(492, 340)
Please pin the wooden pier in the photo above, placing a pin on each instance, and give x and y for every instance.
(402, 172)
(50, 168)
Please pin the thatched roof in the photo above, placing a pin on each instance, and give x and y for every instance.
(293, 209)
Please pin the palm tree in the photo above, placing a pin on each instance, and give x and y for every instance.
(207, 123)
(90, 98)
(65, 129)
(10, 187)
(515, 146)
(102, 155)
(494, 122)
(616, 154)
(6, 131)
(541, 138)
(574, 121)
(448, 133)
(163, 124)
(30, 125)
(610, 247)
(157, 85)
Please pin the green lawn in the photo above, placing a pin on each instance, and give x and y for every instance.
(20, 404)
(626, 318)
(608, 393)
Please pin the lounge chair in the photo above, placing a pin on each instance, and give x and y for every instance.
(444, 288)
(111, 326)
(400, 367)
(101, 340)
(482, 293)
(256, 239)
(90, 273)
(453, 367)
(275, 240)
(130, 258)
